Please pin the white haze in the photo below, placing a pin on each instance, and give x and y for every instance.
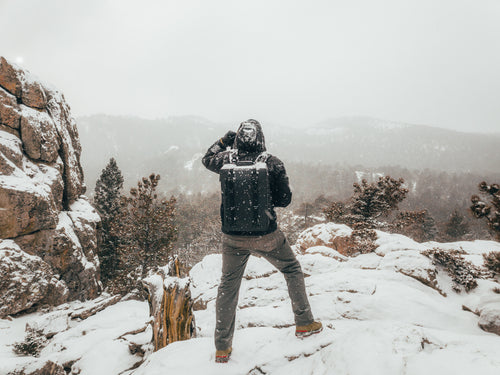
(287, 62)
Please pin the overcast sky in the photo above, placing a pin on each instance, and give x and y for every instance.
(433, 62)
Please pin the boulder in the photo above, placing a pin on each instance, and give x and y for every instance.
(9, 110)
(30, 199)
(10, 78)
(335, 236)
(68, 258)
(11, 153)
(489, 313)
(25, 280)
(39, 135)
(71, 249)
(22, 85)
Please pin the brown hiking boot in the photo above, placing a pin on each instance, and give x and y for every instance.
(222, 356)
(308, 330)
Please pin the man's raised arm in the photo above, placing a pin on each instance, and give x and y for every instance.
(214, 157)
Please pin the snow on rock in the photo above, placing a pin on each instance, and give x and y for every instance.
(41, 185)
(24, 279)
(22, 84)
(387, 242)
(9, 111)
(412, 263)
(39, 135)
(474, 250)
(46, 130)
(379, 317)
(335, 236)
(30, 202)
(489, 313)
(11, 154)
(384, 313)
(69, 259)
(326, 251)
(84, 220)
(369, 261)
(100, 344)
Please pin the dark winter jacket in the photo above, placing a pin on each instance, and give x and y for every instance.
(217, 155)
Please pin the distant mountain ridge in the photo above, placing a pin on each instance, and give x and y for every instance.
(173, 146)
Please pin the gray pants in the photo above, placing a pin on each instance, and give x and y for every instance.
(235, 253)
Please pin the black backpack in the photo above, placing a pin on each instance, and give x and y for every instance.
(246, 196)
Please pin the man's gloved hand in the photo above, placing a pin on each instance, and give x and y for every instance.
(228, 139)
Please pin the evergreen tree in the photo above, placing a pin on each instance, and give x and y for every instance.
(490, 211)
(147, 232)
(456, 227)
(429, 227)
(369, 202)
(419, 225)
(107, 202)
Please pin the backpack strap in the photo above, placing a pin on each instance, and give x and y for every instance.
(262, 158)
(232, 156)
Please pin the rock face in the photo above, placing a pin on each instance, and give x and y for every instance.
(489, 314)
(334, 236)
(47, 227)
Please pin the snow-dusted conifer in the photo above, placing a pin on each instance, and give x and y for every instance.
(369, 202)
(147, 232)
(419, 225)
(107, 202)
(456, 227)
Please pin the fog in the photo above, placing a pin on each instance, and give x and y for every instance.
(289, 62)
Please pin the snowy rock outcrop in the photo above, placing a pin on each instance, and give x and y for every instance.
(381, 315)
(25, 280)
(334, 236)
(388, 312)
(51, 228)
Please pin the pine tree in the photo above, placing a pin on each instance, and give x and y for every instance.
(363, 210)
(490, 211)
(369, 202)
(147, 232)
(456, 227)
(107, 202)
(419, 225)
(429, 228)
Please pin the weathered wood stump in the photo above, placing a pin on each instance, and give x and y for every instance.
(170, 306)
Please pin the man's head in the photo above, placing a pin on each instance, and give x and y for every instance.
(250, 137)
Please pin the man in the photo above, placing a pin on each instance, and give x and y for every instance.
(248, 146)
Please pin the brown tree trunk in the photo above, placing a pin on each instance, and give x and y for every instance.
(170, 306)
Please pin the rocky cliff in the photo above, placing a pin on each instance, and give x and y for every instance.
(47, 227)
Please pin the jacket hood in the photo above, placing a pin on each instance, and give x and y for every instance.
(249, 137)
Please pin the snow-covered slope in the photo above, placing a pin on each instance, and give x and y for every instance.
(379, 316)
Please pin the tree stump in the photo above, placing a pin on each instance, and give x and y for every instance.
(170, 306)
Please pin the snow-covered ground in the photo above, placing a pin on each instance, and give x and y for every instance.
(96, 345)
(379, 318)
